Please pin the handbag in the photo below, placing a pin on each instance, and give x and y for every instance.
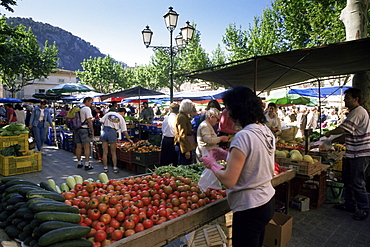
(191, 140)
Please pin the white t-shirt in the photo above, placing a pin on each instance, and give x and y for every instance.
(168, 125)
(85, 113)
(253, 188)
(42, 114)
(114, 120)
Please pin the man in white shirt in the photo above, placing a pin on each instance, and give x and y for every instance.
(168, 152)
(84, 135)
(112, 122)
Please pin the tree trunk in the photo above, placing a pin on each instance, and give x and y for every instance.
(354, 16)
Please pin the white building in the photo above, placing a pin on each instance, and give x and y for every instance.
(59, 76)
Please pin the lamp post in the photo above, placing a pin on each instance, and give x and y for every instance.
(13, 88)
(182, 39)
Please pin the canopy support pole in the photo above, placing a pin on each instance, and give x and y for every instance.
(255, 75)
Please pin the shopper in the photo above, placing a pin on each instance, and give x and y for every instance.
(272, 119)
(206, 135)
(84, 135)
(38, 123)
(226, 125)
(168, 152)
(249, 170)
(184, 140)
(356, 128)
(10, 114)
(301, 121)
(19, 112)
(112, 121)
(147, 112)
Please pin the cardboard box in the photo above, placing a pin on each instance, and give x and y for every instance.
(302, 203)
(278, 231)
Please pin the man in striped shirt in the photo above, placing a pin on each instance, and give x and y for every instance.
(356, 128)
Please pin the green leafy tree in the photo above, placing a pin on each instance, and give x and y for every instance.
(22, 58)
(103, 74)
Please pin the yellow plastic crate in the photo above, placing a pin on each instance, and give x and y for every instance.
(6, 141)
(30, 162)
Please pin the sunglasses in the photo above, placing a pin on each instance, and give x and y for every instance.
(216, 118)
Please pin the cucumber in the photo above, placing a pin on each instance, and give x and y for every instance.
(78, 242)
(13, 189)
(46, 186)
(22, 236)
(7, 179)
(10, 218)
(28, 240)
(28, 229)
(24, 190)
(35, 223)
(11, 209)
(22, 224)
(20, 204)
(53, 224)
(12, 231)
(29, 201)
(63, 234)
(14, 200)
(8, 196)
(19, 181)
(4, 224)
(36, 233)
(28, 216)
(21, 212)
(2, 188)
(52, 206)
(16, 221)
(4, 215)
(59, 216)
(55, 196)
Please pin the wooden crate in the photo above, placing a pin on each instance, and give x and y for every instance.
(125, 156)
(301, 166)
(225, 220)
(30, 162)
(209, 235)
(22, 140)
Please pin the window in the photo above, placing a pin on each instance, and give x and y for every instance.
(61, 80)
(41, 90)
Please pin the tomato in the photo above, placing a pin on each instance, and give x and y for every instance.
(139, 203)
(119, 207)
(106, 242)
(139, 227)
(135, 218)
(117, 235)
(91, 233)
(194, 198)
(100, 226)
(175, 201)
(134, 210)
(96, 244)
(194, 206)
(82, 204)
(201, 202)
(128, 224)
(147, 223)
(142, 216)
(162, 212)
(129, 232)
(104, 198)
(149, 212)
(78, 187)
(115, 223)
(113, 200)
(76, 201)
(68, 202)
(90, 187)
(105, 218)
(120, 216)
(93, 214)
(88, 221)
(109, 231)
(69, 195)
(94, 203)
(102, 207)
(112, 212)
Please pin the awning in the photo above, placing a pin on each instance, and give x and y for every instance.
(324, 91)
(286, 68)
(132, 92)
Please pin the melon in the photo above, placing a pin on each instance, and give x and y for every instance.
(308, 158)
(296, 156)
(280, 154)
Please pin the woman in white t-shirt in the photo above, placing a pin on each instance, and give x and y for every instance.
(249, 170)
(19, 112)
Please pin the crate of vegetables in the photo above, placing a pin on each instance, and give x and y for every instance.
(22, 140)
(124, 156)
(30, 161)
(145, 159)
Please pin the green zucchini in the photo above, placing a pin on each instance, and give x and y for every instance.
(22, 224)
(14, 188)
(53, 206)
(53, 224)
(47, 194)
(20, 204)
(8, 196)
(4, 215)
(59, 216)
(4, 224)
(28, 229)
(14, 200)
(7, 179)
(63, 234)
(22, 236)
(36, 233)
(28, 240)
(16, 221)
(46, 186)
(11, 209)
(77, 242)
(28, 216)
(29, 201)
(19, 181)
(35, 223)
(22, 211)
(12, 231)
(24, 190)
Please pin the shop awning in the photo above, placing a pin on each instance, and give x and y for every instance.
(286, 68)
(324, 91)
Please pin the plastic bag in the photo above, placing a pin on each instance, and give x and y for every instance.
(208, 180)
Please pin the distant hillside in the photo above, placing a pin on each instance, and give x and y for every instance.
(72, 49)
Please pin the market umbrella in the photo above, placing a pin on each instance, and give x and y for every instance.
(10, 100)
(31, 100)
(293, 99)
(132, 92)
(69, 88)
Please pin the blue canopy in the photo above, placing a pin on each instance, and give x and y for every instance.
(201, 95)
(10, 100)
(324, 91)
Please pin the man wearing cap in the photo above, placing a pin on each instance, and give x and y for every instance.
(112, 121)
(147, 113)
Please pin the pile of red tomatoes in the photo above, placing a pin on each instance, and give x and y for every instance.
(122, 207)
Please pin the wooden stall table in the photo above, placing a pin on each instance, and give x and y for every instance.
(169, 231)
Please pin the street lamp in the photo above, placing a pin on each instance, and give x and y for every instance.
(182, 39)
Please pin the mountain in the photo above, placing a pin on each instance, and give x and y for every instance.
(72, 49)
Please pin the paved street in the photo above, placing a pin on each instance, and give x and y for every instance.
(324, 226)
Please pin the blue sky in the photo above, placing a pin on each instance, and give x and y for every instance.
(114, 26)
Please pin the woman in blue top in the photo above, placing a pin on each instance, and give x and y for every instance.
(40, 115)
